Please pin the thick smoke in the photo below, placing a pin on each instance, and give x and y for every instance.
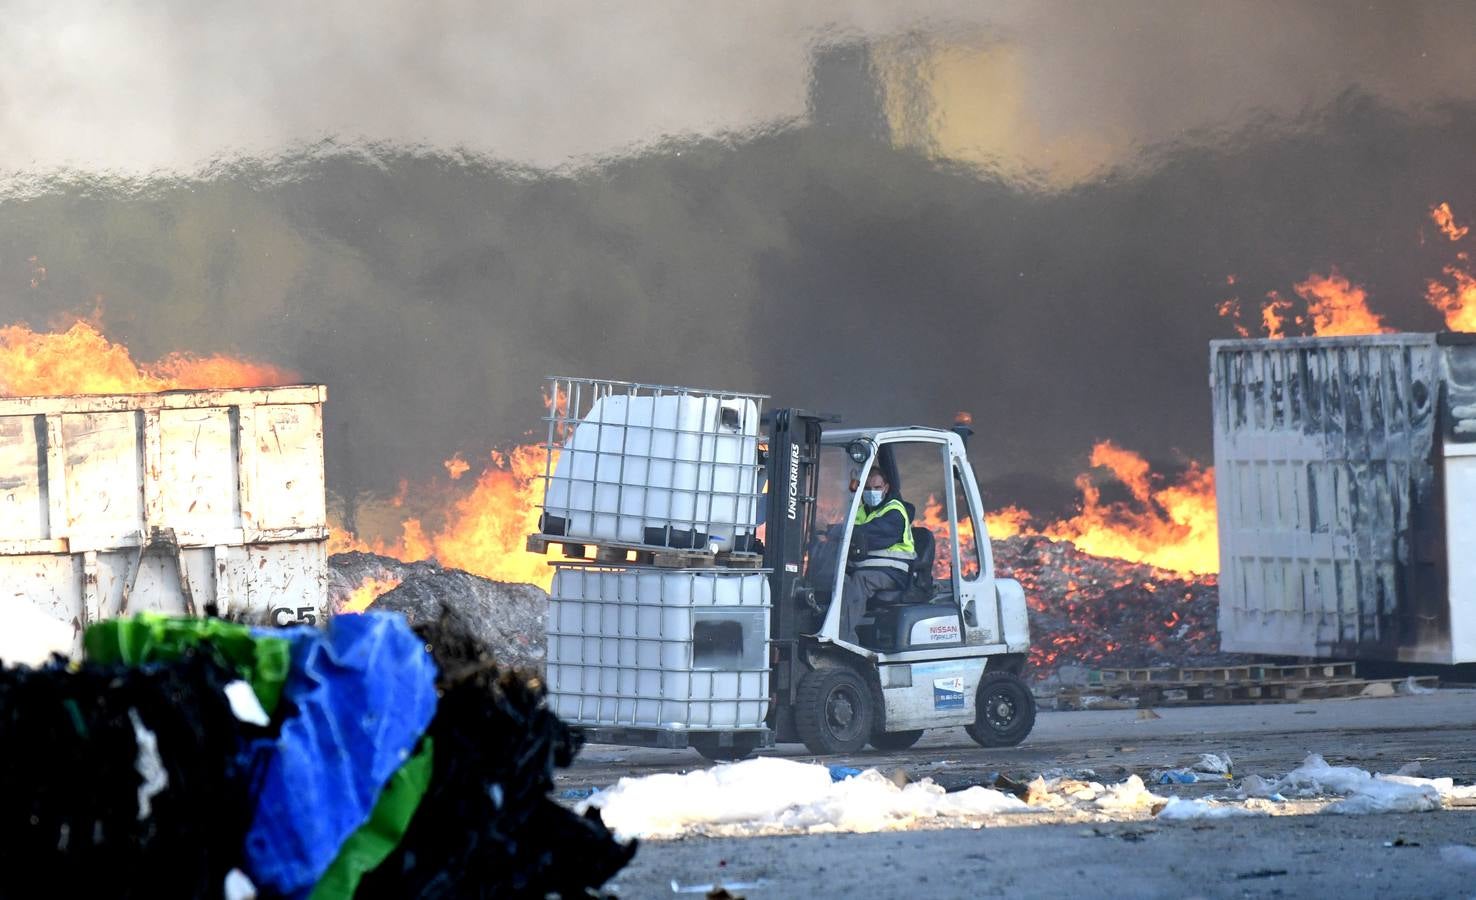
(812, 258)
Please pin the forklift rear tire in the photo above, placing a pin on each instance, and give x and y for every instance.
(833, 711)
(890, 741)
(707, 745)
(1004, 711)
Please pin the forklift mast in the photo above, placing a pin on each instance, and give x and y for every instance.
(793, 472)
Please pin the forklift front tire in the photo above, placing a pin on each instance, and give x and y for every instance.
(1004, 711)
(833, 711)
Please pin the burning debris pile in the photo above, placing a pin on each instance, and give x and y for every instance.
(1094, 611)
(506, 621)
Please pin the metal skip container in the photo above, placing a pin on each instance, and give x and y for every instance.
(1345, 472)
(112, 504)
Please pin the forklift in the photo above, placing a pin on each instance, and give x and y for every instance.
(939, 652)
(945, 648)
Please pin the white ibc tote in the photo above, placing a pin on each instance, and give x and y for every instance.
(659, 648)
(642, 464)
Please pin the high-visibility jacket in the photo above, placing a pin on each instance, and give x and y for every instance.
(899, 555)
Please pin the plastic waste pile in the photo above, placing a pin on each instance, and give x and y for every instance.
(198, 757)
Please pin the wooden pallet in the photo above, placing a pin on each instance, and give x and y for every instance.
(1223, 674)
(1241, 692)
(622, 554)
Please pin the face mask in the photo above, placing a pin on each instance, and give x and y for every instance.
(872, 498)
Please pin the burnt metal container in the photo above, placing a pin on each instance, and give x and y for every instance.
(1345, 473)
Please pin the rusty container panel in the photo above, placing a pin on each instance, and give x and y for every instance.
(1345, 506)
(111, 504)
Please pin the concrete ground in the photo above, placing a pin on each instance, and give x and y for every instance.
(1406, 855)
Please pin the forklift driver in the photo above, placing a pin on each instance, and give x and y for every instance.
(882, 547)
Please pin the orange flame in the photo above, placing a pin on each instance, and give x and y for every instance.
(1445, 219)
(1170, 526)
(1338, 307)
(81, 360)
(1008, 522)
(456, 466)
(1274, 315)
(1335, 306)
(369, 590)
(1458, 300)
(1230, 309)
(482, 530)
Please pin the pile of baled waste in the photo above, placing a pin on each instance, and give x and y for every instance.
(204, 758)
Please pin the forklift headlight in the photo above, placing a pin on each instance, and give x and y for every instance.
(858, 451)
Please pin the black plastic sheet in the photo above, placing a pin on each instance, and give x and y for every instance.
(487, 826)
(70, 819)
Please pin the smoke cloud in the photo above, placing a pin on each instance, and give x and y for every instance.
(429, 209)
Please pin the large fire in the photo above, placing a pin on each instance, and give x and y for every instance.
(1336, 306)
(366, 593)
(1332, 305)
(1169, 525)
(81, 360)
(482, 530)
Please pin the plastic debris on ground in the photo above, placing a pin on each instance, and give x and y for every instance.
(1213, 764)
(769, 795)
(1130, 794)
(1363, 792)
(1179, 808)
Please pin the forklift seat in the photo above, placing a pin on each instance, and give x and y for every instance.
(920, 573)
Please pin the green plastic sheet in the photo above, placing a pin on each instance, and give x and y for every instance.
(367, 847)
(261, 661)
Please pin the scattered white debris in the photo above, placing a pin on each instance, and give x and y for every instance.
(1366, 792)
(238, 886)
(149, 765)
(769, 794)
(245, 704)
(1383, 796)
(1130, 794)
(1213, 763)
(1179, 808)
(1257, 787)
(1315, 778)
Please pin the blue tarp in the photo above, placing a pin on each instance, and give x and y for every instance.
(365, 692)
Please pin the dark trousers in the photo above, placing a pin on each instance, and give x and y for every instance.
(860, 586)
